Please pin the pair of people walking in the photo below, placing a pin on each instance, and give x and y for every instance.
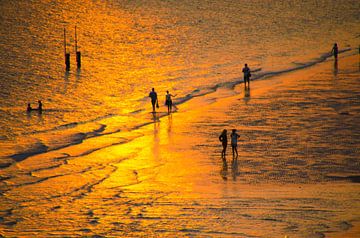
(234, 139)
(155, 101)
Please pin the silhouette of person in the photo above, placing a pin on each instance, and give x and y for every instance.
(40, 106)
(234, 138)
(154, 99)
(28, 109)
(335, 51)
(223, 139)
(168, 101)
(247, 75)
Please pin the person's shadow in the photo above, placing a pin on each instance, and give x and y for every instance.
(234, 168)
(224, 169)
(247, 95)
(156, 141)
(335, 67)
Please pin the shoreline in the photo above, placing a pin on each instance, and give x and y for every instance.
(31, 151)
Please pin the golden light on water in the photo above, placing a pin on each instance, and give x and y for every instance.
(98, 163)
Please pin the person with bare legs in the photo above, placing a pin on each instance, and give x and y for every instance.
(168, 101)
(335, 51)
(28, 109)
(234, 138)
(40, 106)
(154, 99)
(247, 75)
(223, 139)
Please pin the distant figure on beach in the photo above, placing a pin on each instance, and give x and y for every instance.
(168, 101)
(223, 139)
(40, 106)
(28, 109)
(247, 75)
(234, 138)
(335, 51)
(154, 99)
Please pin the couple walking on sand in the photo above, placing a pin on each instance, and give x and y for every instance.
(155, 102)
(234, 139)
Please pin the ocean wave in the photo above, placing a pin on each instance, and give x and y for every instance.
(64, 141)
(77, 138)
(68, 125)
(257, 74)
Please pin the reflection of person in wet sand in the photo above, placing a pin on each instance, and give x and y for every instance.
(335, 67)
(234, 168)
(223, 139)
(234, 138)
(224, 171)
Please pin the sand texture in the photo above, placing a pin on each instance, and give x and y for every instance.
(297, 173)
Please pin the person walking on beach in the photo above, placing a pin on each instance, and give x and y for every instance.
(223, 139)
(154, 99)
(168, 101)
(335, 51)
(247, 75)
(234, 138)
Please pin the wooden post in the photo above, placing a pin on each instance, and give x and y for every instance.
(78, 53)
(67, 55)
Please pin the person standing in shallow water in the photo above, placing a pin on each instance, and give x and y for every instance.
(40, 106)
(247, 75)
(234, 138)
(168, 101)
(28, 109)
(154, 99)
(335, 51)
(223, 139)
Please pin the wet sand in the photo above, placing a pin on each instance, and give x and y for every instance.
(297, 173)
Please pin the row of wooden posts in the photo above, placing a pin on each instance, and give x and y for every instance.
(67, 55)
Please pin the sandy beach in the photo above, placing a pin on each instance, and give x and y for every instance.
(297, 173)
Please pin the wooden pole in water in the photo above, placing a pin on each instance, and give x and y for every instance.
(75, 40)
(78, 53)
(67, 55)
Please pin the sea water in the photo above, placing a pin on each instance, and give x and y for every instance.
(128, 47)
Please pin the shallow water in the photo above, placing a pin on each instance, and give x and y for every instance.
(298, 161)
